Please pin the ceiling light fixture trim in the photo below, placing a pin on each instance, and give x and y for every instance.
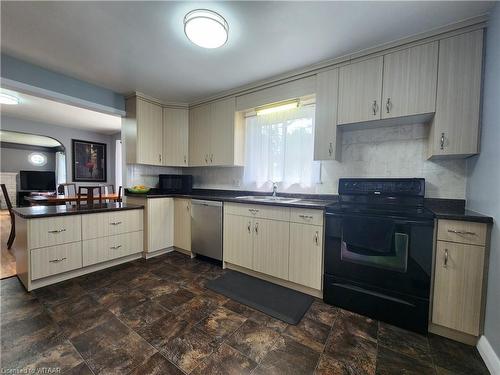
(8, 99)
(206, 28)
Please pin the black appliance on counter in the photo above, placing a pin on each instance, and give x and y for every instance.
(378, 250)
(176, 183)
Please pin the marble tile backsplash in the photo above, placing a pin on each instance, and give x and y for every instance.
(396, 151)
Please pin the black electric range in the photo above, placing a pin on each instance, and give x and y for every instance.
(378, 250)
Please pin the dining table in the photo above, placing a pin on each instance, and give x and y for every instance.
(56, 199)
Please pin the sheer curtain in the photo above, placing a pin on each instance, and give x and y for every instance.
(60, 167)
(279, 148)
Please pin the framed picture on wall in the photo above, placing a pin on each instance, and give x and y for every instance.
(89, 161)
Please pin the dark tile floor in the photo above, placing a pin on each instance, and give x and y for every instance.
(156, 317)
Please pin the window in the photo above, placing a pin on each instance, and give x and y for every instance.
(279, 148)
(37, 159)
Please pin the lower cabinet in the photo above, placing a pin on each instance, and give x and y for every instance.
(53, 260)
(238, 240)
(102, 249)
(306, 255)
(182, 224)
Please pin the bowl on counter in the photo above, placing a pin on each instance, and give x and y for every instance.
(138, 190)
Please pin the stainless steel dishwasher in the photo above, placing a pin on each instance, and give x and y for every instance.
(206, 228)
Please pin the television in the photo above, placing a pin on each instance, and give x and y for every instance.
(38, 180)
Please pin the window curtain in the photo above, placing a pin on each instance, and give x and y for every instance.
(60, 167)
(279, 148)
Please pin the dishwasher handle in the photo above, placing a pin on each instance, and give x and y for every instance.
(200, 202)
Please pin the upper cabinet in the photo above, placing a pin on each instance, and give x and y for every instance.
(455, 127)
(175, 137)
(326, 141)
(409, 84)
(216, 136)
(142, 128)
(360, 88)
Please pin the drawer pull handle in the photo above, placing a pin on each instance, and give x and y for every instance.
(58, 260)
(249, 226)
(57, 230)
(316, 238)
(115, 223)
(115, 247)
(445, 258)
(461, 232)
(307, 217)
(256, 228)
(253, 210)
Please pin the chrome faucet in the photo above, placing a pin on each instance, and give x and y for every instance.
(275, 188)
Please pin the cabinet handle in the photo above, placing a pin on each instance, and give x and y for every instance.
(316, 238)
(187, 207)
(159, 157)
(330, 149)
(115, 223)
(253, 210)
(442, 141)
(249, 226)
(445, 264)
(374, 107)
(115, 247)
(206, 159)
(388, 105)
(185, 159)
(306, 217)
(58, 260)
(57, 230)
(256, 228)
(461, 232)
(211, 158)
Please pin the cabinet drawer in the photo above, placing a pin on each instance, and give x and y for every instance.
(306, 216)
(462, 232)
(52, 260)
(52, 231)
(102, 249)
(111, 223)
(258, 210)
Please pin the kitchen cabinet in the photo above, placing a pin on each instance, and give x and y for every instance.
(216, 134)
(306, 254)
(455, 127)
(360, 88)
(182, 224)
(409, 81)
(327, 141)
(175, 137)
(238, 239)
(143, 131)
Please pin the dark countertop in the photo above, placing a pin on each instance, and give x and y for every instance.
(454, 209)
(35, 212)
(315, 201)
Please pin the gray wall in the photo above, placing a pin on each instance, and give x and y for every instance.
(483, 182)
(16, 159)
(64, 135)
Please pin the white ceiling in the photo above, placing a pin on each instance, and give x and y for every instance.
(127, 46)
(28, 139)
(51, 112)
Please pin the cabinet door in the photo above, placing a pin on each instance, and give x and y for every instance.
(410, 79)
(455, 128)
(160, 223)
(238, 240)
(306, 254)
(458, 285)
(360, 91)
(149, 133)
(325, 127)
(182, 223)
(199, 135)
(270, 247)
(175, 137)
(222, 132)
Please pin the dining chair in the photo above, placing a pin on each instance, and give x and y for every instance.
(119, 199)
(69, 189)
(108, 189)
(88, 193)
(12, 234)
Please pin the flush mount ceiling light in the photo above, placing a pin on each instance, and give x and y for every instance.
(206, 28)
(8, 99)
(277, 107)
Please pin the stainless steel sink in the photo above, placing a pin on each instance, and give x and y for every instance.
(266, 198)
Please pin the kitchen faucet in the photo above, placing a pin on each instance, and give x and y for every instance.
(275, 188)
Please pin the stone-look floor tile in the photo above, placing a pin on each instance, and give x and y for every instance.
(154, 287)
(61, 357)
(162, 331)
(288, 357)
(323, 313)
(390, 362)
(256, 316)
(309, 332)
(157, 365)
(118, 301)
(226, 360)
(330, 366)
(196, 309)
(142, 315)
(405, 342)
(18, 308)
(357, 325)
(172, 300)
(189, 348)
(75, 325)
(11, 287)
(72, 306)
(221, 323)
(455, 356)
(112, 347)
(56, 293)
(253, 340)
(81, 369)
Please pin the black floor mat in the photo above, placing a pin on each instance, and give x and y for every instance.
(281, 303)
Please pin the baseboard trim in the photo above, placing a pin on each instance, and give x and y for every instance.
(489, 356)
(149, 255)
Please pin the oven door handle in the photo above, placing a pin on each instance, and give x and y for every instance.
(396, 221)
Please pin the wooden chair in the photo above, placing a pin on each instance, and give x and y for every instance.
(69, 189)
(119, 199)
(89, 194)
(12, 234)
(108, 189)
